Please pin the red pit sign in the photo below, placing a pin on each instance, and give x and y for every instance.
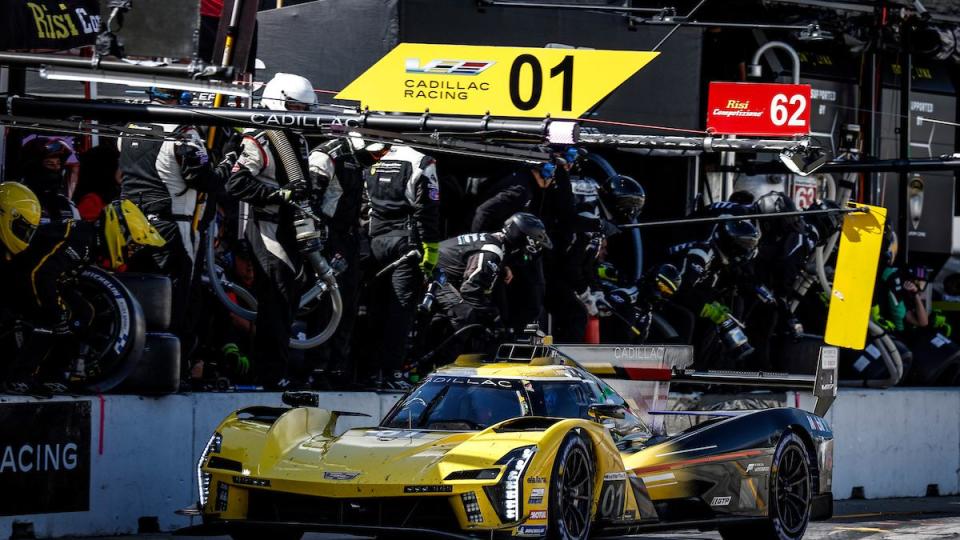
(758, 109)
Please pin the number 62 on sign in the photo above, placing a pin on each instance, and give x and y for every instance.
(758, 109)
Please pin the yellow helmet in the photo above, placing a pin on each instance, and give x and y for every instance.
(19, 216)
(126, 229)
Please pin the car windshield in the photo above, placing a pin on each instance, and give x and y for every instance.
(471, 403)
(459, 403)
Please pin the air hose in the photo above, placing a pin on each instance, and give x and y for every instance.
(292, 166)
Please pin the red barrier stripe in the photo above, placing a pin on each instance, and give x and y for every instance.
(647, 374)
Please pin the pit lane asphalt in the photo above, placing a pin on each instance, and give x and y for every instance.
(911, 519)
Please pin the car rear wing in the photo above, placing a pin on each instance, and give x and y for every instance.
(823, 383)
(671, 363)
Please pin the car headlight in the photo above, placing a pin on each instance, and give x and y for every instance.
(507, 495)
(203, 479)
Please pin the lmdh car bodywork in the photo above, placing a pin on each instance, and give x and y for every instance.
(590, 467)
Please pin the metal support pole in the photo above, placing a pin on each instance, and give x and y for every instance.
(903, 209)
(174, 70)
(399, 124)
(876, 96)
(728, 159)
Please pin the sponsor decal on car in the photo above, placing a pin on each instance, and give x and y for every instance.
(251, 481)
(536, 496)
(538, 514)
(615, 476)
(532, 530)
(334, 475)
(536, 480)
(757, 468)
(428, 489)
(720, 501)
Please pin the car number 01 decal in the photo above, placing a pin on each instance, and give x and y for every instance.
(612, 496)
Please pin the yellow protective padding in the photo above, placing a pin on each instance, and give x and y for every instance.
(855, 276)
(124, 223)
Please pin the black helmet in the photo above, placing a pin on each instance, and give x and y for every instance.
(825, 224)
(777, 202)
(39, 175)
(736, 240)
(525, 231)
(625, 195)
(667, 280)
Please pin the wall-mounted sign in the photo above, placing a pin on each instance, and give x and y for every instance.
(501, 81)
(758, 109)
(49, 24)
(44, 457)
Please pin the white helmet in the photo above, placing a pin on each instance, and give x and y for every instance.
(285, 87)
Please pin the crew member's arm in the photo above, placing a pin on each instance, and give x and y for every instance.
(494, 211)
(916, 311)
(243, 183)
(423, 193)
(194, 161)
(324, 179)
(479, 278)
(425, 190)
(52, 259)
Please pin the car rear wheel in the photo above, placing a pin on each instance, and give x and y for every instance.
(571, 490)
(790, 496)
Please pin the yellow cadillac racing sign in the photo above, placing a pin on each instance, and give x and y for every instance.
(501, 81)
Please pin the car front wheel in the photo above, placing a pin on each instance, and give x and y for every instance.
(571, 490)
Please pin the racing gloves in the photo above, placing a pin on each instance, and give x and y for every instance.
(939, 322)
(291, 193)
(715, 311)
(431, 253)
(232, 353)
(281, 195)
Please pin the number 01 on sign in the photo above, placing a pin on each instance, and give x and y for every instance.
(501, 81)
(758, 109)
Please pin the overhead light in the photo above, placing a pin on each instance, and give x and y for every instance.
(101, 76)
(915, 199)
(803, 161)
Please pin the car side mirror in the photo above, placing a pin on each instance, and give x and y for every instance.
(606, 410)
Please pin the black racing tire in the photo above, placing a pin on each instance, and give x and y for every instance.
(155, 294)
(112, 342)
(117, 334)
(260, 534)
(158, 371)
(790, 496)
(571, 490)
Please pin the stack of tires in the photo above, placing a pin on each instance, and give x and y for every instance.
(158, 369)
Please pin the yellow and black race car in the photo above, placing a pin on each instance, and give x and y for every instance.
(529, 443)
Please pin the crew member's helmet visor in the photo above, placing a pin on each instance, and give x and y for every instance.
(22, 229)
